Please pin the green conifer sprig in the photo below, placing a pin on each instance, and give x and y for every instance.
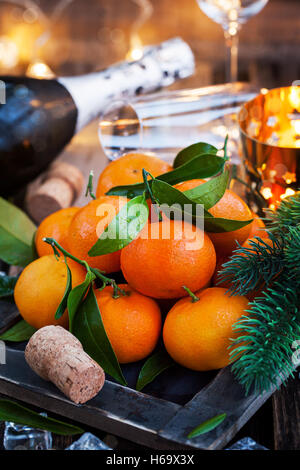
(292, 254)
(263, 349)
(287, 214)
(250, 268)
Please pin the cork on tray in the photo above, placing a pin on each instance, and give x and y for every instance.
(56, 355)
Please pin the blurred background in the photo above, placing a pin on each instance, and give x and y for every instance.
(70, 37)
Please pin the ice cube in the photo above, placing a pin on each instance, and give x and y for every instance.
(88, 442)
(246, 444)
(19, 437)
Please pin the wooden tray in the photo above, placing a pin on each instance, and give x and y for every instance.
(170, 407)
(176, 401)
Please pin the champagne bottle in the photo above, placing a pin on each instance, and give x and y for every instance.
(39, 117)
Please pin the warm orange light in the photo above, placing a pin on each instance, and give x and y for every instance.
(39, 70)
(267, 193)
(9, 53)
(136, 50)
(288, 192)
(294, 97)
(289, 177)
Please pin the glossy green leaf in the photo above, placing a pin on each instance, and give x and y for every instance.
(63, 304)
(153, 366)
(210, 192)
(171, 196)
(11, 411)
(7, 285)
(203, 166)
(21, 331)
(88, 328)
(16, 235)
(128, 190)
(124, 228)
(207, 425)
(193, 151)
(220, 225)
(76, 295)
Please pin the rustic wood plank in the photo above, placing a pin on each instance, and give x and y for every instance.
(286, 416)
(9, 315)
(116, 410)
(223, 395)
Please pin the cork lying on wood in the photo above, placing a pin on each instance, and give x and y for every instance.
(57, 356)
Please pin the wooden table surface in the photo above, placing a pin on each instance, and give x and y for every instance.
(276, 425)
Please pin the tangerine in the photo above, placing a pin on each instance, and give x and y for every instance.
(132, 322)
(128, 170)
(230, 206)
(257, 227)
(55, 226)
(87, 226)
(166, 256)
(40, 289)
(197, 334)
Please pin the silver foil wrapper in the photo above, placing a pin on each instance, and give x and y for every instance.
(160, 66)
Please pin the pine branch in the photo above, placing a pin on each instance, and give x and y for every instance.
(263, 351)
(292, 254)
(287, 214)
(251, 268)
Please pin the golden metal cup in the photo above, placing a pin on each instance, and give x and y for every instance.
(270, 137)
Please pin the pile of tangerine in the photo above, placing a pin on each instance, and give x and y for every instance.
(198, 327)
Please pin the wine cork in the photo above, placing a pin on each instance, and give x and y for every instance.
(54, 190)
(57, 356)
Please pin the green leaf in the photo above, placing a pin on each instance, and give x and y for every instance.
(220, 225)
(211, 192)
(207, 426)
(89, 329)
(203, 166)
(11, 411)
(193, 151)
(124, 228)
(76, 295)
(63, 304)
(21, 331)
(7, 285)
(154, 366)
(169, 196)
(16, 235)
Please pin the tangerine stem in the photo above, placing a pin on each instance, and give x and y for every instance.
(153, 200)
(89, 188)
(106, 280)
(225, 149)
(194, 298)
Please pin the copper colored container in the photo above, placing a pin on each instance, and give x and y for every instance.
(270, 136)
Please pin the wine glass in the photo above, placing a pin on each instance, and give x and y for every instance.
(164, 123)
(231, 14)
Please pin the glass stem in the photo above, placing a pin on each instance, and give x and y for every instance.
(232, 43)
